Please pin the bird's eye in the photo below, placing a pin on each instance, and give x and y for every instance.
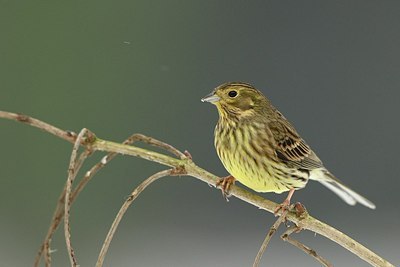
(232, 93)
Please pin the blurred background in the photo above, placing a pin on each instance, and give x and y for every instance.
(121, 67)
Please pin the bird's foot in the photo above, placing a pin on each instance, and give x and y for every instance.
(284, 206)
(225, 184)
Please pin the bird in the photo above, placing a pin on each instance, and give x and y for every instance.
(262, 150)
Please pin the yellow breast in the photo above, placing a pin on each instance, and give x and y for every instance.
(255, 171)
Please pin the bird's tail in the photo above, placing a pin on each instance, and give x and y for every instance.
(349, 196)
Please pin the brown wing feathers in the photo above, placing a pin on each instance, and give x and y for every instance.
(291, 148)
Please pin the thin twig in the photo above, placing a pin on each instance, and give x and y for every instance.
(72, 172)
(308, 223)
(56, 218)
(157, 143)
(106, 159)
(59, 211)
(294, 229)
(135, 193)
(268, 237)
(66, 135)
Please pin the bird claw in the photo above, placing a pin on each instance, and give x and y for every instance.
(297, 208)
(284, 206)
(225, 185)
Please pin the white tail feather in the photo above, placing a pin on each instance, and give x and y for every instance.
(342, 194)
(334, 184)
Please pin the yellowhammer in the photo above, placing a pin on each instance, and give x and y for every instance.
(262, 150)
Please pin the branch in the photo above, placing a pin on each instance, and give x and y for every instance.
(59, 211)
(271, 232)
(73, 169)
(135, 193)
(307, 222)
(294, 229)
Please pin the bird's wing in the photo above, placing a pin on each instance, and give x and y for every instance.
(291, 148)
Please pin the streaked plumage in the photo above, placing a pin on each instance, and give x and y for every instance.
(262, 150)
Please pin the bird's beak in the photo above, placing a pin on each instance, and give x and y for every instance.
(212, 98)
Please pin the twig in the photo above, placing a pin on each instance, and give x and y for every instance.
(157, 143)
(271, 232)
(59, 211)
(286, 237)
(56, 218)
(308, 223)
(66, 135)
(135, 193)
(72, 172)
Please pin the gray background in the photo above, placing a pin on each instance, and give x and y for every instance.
(119, 67)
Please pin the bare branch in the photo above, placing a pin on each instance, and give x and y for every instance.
(72, 172)
(307, 222)
(57, 216)
(59, 211)
(270, 233)
(294, 229)
(135, 193)
(66, 135)
(157, 143)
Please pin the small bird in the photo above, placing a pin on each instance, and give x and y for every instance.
(260, 148)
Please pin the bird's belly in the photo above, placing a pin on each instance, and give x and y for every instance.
(255, 180)
(262, 177)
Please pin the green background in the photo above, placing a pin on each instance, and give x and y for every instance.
(121, 67)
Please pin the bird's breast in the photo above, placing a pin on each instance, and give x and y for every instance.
(248, 156)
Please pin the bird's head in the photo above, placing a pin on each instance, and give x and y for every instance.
(236, 99)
